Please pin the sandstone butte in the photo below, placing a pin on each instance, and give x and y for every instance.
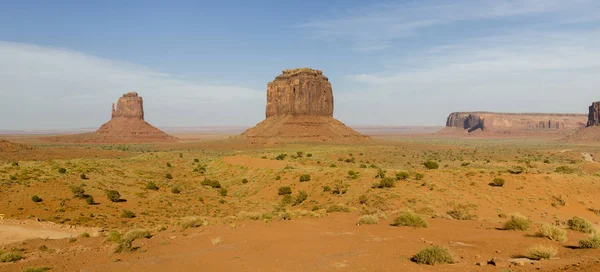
(592, 130)
(127, 125)
(492, 123)
(300, 108)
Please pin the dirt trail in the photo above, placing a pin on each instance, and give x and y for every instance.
(588, 157)
(12, 231)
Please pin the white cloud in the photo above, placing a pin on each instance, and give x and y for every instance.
(523, 72)
(377, 26)
(49, 88)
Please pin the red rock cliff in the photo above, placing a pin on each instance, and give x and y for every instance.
(302, 91)
(506, 122)
(594, 115)
(130, 105)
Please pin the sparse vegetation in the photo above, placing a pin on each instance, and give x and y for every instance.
(151, 186)
(433, 255)
(113, 195)
(304, 178)
(9, 257)
(402, 176)
(338, 208)
(592, 242)
(462, 212)
(497, 182)
(581, 225)
(564, 170)
(301, 197)
(62, 170)
(36, 269)
(36, 198)
(210, 182)
(168, 176)
(553, 233)
(517, 222)
(540, 252)
(127, 214)
(285, 190)
(384, 183)
(175, 190)
(78, 191)
(368, 219)
(431, 165)
(125, 242)
(410, 219)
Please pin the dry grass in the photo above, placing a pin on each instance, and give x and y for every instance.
(368, 220)
(592, 242)
(517, 222)
(433, 255)
(539, 252)
(553, 233)
(410, 219)
(581, 225)
(192, 222)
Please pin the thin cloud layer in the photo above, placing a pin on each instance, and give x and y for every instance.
(47, 88)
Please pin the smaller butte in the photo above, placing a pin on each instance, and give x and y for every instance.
(300, 108)
(127, 125)
(590, 133)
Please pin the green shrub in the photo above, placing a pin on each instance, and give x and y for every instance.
(410, 219)
(539, 252)
(36, 198)
(461, 212)
(431, 165)
(581, 225)
(196, 160)
(36, 269)
(564, 170)
(553, 233)
(77, 191)
(309, 155)
(352, 174)
(338, 208)
(333, 165)
(433, 255)
(126, 241)
(90, 200)
(281, 157)
(114, 236)
(169, 176)
(302, 195)
(380, 173)
(127, 214)
(278, 177)
(151, 186)
(419, 176)
(62, 170)
(497, 182)
(175, 190)
(9, 257)
(402, 176)
(368, 220)
(304, 178)
(363, 199)
(211, 182)
(326, 188)
(592, 242)
(83, 176)
(223, 192)
(517, 222)
(244, 180)
(285, 190)
(384, 183)
(113, 195)
(287, 199)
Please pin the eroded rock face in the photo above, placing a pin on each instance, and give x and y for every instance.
(594, 115)
(302, 91)
(300, 108)
(130, 105)
(514, 122)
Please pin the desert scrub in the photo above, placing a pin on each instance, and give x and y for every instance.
(285, 190)
(384, 183)
(304, 178)
(192, 222)
(433, 255)
(462, 212)
(410, 219)
(244, 180)
(83, 176)
(36, 269)
(127, 214)
(581, 225)
(168, 176)
(8, 257)
(380, 173)
(517, 222)
(113, 195)
(539, 252)
(497, 182)
(431, 165)
(301, 197)
(84, 235)
(90, 200)
(36, 198)
(126, 241)
(151, 186)
(78, 191)
(211, 182)
(62, 170)
(419, 176)
(553, 233)
(592, 242)
(175, 190)
(223, 192)
(564, 170)
(338, 208)
(402, 176)
(368, 220)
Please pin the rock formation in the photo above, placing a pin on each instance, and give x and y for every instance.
(594, 115)
(300, 107)
(127, 125)
(513, 123)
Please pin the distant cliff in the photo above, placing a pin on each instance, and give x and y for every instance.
(515, 122)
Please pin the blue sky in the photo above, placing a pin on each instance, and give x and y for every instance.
(205, 63)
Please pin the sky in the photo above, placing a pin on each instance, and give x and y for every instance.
(207, 63)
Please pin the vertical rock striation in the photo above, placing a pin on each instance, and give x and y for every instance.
(594, 115)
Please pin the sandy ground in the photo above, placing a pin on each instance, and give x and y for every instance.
(12, 231)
